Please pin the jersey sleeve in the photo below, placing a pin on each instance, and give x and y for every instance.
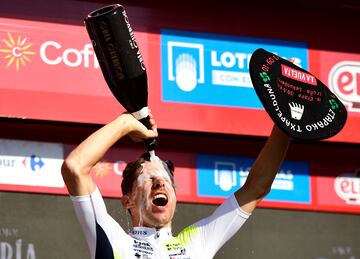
(98, 226)
(215, 230)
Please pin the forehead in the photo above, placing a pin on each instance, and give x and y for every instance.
(153, 167)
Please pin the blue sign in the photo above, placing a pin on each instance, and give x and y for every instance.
(213, 69)
(220, 176)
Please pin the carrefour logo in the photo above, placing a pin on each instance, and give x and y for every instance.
(17, 51)
(213, 69)
(33, 163)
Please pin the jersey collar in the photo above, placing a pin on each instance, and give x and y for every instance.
(151, 233)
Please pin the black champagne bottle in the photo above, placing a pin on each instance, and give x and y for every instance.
(120, 61)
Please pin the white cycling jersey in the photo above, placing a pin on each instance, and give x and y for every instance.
(106, 239)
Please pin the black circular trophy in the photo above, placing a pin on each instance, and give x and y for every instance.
(298, 103)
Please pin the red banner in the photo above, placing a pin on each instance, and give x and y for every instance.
(34, 171)
(341, 73)
(30, 166)
(108, 173)
(337, 186)
(49, 72)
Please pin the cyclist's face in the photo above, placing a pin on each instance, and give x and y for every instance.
(154, 197)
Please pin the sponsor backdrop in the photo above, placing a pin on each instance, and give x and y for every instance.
(220, 176)
(54, 66)
(203, 78)
(212, 69)
(200, 178)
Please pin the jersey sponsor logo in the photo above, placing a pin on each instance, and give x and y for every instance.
(143, 256)
(212, 69)
(176, 250)
(220, 176)
(142, 249)
(139, 232)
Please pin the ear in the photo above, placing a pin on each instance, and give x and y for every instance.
(127, 202)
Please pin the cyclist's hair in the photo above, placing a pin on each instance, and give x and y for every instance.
(133, 169)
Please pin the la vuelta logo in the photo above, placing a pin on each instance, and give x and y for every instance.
(344, 80)
(17, 51)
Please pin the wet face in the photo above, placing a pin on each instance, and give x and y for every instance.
(153, 196)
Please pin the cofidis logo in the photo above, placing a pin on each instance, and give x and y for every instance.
(213, 69)
(17, 51)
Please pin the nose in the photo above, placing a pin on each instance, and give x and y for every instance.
(158, 183)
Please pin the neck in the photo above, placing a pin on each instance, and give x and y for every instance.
(137, 223)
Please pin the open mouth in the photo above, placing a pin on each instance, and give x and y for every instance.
(160, 200)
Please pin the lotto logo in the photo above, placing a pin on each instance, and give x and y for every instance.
(212, 69)
(185, 64)
(220, 176)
